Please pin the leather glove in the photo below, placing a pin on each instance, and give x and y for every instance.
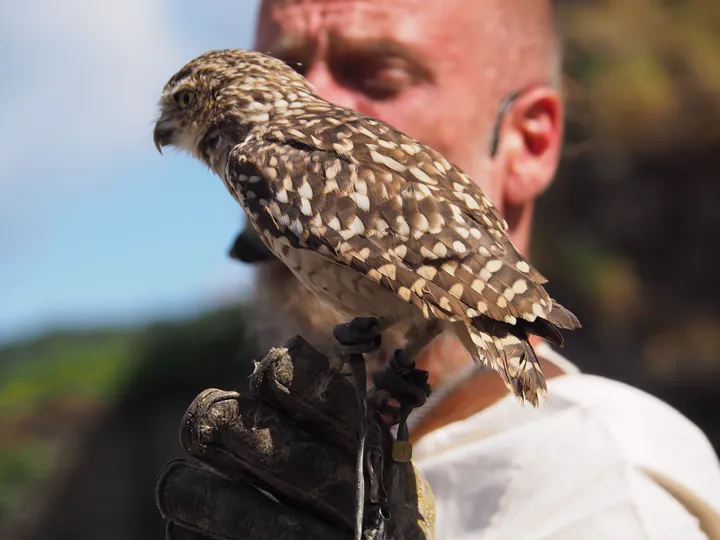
(279, 462)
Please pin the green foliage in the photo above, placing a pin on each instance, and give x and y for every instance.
(647, 69)
(50, 384)
(61, 365)
(40, 378)
(188, 356)
(20, 466)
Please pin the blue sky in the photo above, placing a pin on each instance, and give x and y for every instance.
(95, 226)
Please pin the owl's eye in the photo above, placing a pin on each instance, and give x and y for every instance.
(184, 98)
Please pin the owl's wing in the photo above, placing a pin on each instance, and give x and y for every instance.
(415, 225)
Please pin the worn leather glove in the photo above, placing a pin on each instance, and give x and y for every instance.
(279, 462)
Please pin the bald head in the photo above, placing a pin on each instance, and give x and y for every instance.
(436, 70)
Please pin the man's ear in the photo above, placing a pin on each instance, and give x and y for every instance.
(529, 145)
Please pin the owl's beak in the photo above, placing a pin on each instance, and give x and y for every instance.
(162, 135)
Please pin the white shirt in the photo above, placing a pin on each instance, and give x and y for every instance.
(578, 467)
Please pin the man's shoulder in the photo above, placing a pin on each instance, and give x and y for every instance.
(647, 432)
(640, 425)
(586, 449)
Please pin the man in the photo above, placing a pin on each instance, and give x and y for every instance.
(479, 81)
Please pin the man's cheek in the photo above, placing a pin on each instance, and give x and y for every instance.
(415, 116)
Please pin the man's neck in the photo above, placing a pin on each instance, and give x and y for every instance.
(479, 391)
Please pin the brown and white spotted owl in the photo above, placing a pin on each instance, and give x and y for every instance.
(367, 218)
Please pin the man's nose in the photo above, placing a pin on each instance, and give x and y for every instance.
(328, 88)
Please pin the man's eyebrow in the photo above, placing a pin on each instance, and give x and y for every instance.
(292, 50)
(342, 46)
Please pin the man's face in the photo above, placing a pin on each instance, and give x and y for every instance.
(425, 67)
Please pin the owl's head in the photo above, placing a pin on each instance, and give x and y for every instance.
(216, 100)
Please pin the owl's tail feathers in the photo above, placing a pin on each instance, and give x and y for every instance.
(548, 328)
(563, 318)
(495, 345)
(505, 348)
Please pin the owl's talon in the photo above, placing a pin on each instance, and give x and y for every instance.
(361, 335)
(406, 384)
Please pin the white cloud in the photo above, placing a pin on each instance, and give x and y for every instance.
(80, 84)
(81, 79)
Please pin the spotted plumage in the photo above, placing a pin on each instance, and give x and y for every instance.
(367, 218)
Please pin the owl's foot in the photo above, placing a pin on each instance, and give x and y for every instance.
(404, 383)
(399, 388)
(400, 380)
(359, 336)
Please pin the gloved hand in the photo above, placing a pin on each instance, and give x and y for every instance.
(279, 462)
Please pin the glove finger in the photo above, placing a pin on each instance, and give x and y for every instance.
(300, 381)
(206, 504)
(245, 438)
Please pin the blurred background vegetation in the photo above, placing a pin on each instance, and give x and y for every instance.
(627, 231)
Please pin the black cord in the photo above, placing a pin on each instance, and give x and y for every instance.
(504, 107)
